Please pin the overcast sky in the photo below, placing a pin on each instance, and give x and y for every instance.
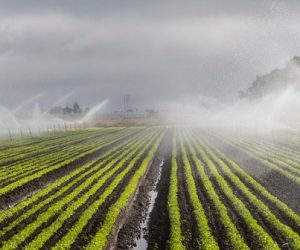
(153, 50)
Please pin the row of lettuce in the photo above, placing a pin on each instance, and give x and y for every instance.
(282, 160)
(39, 145)
(225, 182)
(64, 209)
(70, 203)
(21, 172)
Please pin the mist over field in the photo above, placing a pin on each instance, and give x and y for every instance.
(189, 61)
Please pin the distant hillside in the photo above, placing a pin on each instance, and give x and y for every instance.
(274, 81)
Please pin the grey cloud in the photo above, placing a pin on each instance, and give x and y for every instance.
(155, 50)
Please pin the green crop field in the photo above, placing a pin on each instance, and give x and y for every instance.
(90, 189)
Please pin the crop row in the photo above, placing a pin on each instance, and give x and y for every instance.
(234, 196)
(24, 152)
(267, 162)
(65, 184)
(44, 150)
(284, 231)
(47, 158)
(176, 235)
(99, 241)
(20, 170)
(235, 240)
(70, 203)
(274, 148)
(69, 238)
(291, 163)
(256, 186)
(79, 153)
(10, 145)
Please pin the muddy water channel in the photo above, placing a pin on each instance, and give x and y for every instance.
(141, 241)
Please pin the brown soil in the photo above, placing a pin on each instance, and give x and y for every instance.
(159, 224)
(136, 214)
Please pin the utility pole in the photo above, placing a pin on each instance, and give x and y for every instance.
(126, 102)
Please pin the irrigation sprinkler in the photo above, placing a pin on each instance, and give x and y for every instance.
(66, 128)
(30, 134)
(287, 135)
(9, 133)
(21, 133)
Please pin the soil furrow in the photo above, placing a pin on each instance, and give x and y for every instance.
(188, 220)
(18, 194)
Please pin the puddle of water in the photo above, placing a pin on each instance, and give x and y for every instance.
(141, 242)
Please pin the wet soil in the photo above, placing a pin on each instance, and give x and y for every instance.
(129, 228)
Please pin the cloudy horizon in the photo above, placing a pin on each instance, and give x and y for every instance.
(155, 51)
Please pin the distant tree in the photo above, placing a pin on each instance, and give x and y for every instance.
(276, 80)
(56, 110)
(76, 108)
(87, 109)
(67, 110)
